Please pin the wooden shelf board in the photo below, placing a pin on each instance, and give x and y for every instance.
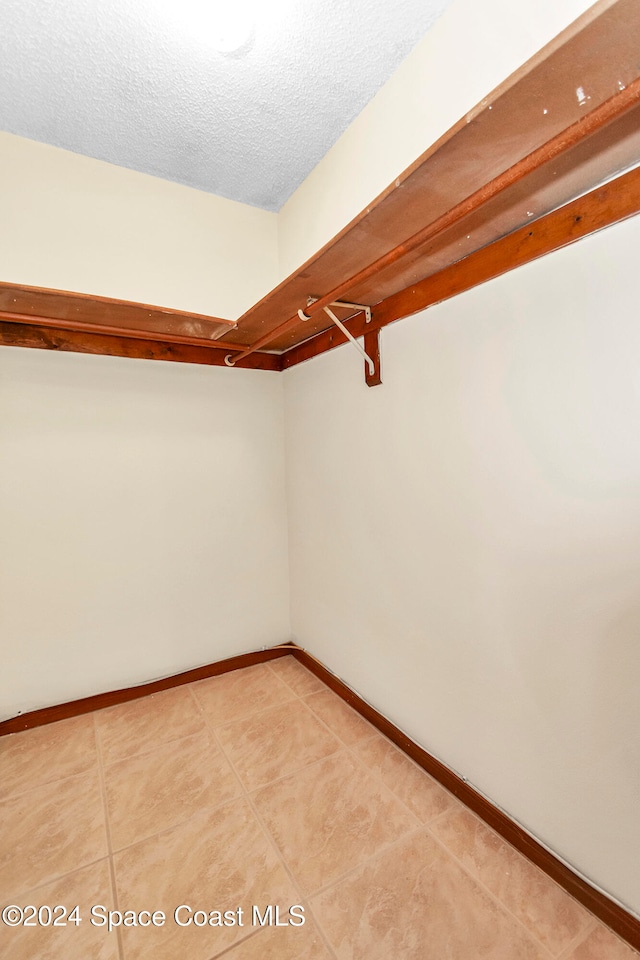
(597, 54)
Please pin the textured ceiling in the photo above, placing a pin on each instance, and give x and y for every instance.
(137, 83)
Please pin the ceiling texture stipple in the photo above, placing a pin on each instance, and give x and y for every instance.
(139, 84)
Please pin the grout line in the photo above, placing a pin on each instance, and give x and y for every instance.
(567, 953)
(351, 748)
(203, 731)
(146, 748)
(308, 909)
(159, 745)
(375, 775)
(246, 716)
(227, 950)
(58, 877)
(367, 861)
(340, 745)
(207, 730)
(309, 693)
(174, 826)
(390, 847)
(268, 836)
(105, 807)
(92, 772)
(198, 813)
(494, 897)
(96, 703)
(43, 786)
(348, 707)
(243, 795)
(21, 790)
(296, 771)
(591, 922)
(343, 748)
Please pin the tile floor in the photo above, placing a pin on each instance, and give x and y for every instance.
(255, 788)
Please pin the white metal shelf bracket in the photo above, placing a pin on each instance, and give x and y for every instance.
(372, 342)
(349, 336)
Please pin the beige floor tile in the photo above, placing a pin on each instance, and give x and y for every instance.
(44, 754)
(420, 792)
(240, 694)
(50, 831)
(141, 725)
(161, 788)
(396, 867)
(601, 944)
(301, 680)
(283, 943)
(340, 717)
(415, 903)
(215, 861)
(328, 818)
(276, 742)
(541, 905)
(85, 888)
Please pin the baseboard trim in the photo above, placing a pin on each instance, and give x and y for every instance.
(625, 924)
(611, 913)
(74, 708)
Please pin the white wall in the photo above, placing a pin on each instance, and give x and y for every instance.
(465, 541)
(142, 521)
(468, 52)
(73, 223)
